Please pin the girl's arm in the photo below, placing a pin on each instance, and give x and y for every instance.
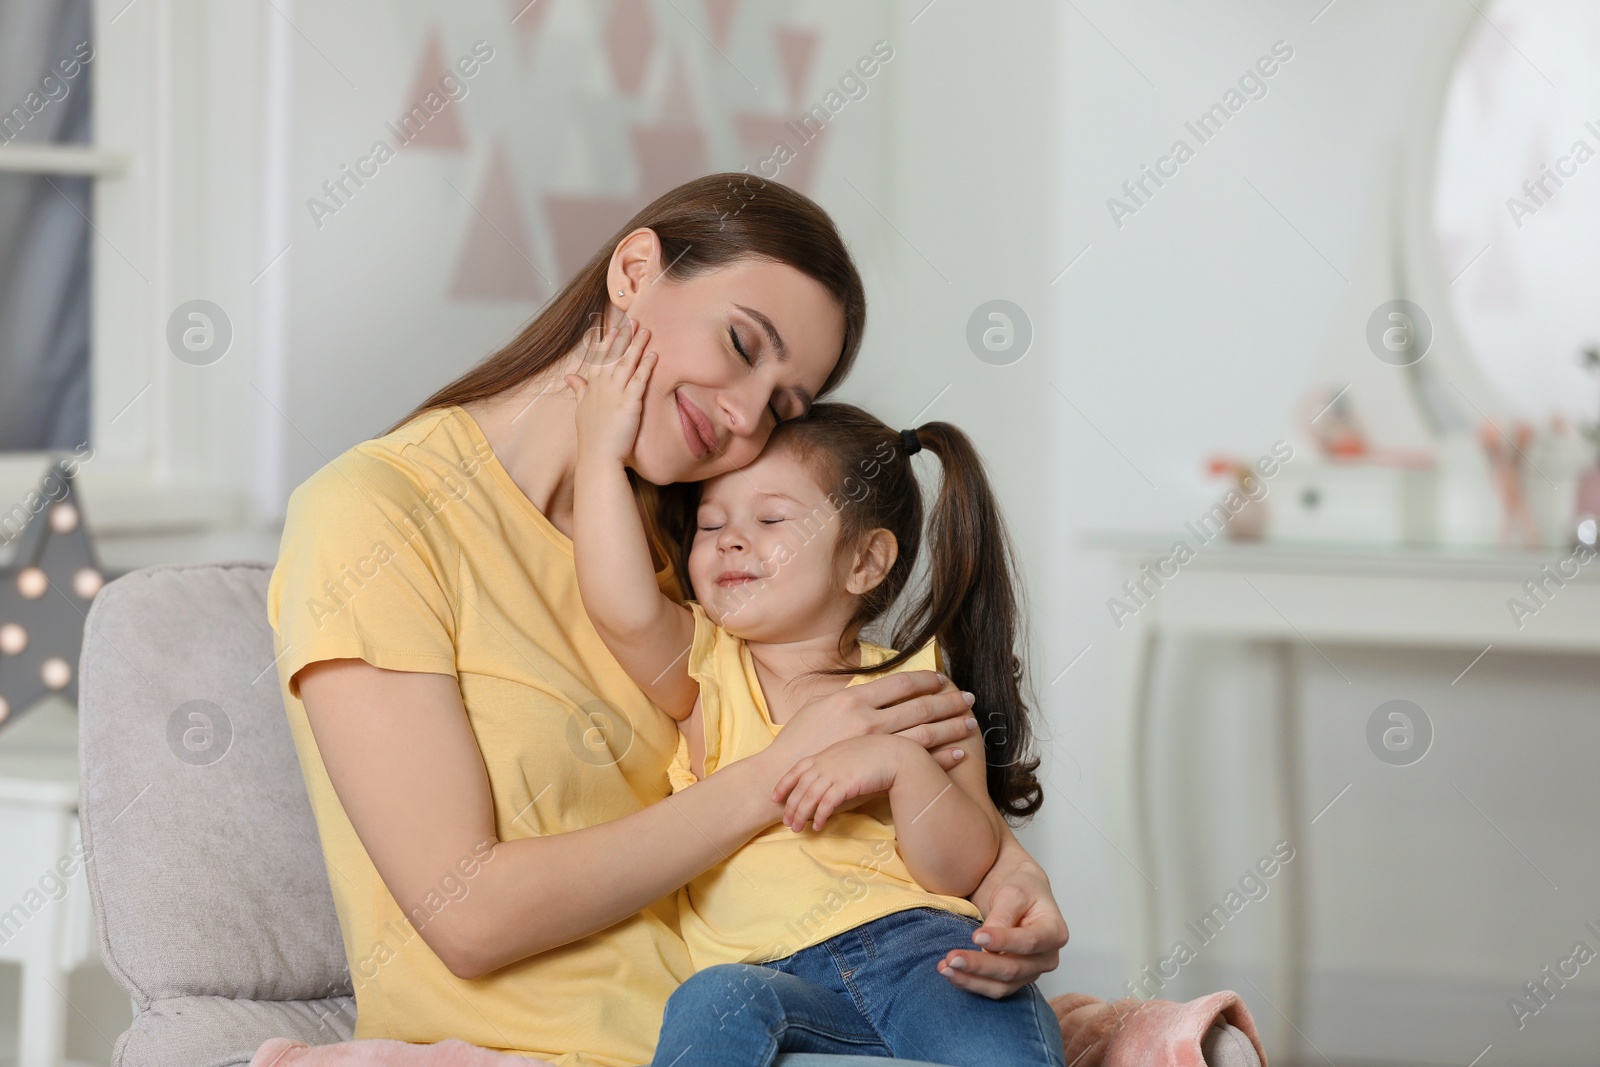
(399, 750)
(946, 828)
(645, 630)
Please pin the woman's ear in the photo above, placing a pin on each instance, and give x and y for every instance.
(874, 560)
(635, 264)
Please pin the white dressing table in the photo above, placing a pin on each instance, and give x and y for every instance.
(1315, 595)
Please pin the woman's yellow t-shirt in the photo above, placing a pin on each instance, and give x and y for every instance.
(417, 552)
(782, 891)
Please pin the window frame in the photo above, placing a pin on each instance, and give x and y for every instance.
(178, 90)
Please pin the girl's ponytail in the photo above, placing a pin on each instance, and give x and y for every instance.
(972, 606)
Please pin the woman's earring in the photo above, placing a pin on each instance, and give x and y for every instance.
(619, 292)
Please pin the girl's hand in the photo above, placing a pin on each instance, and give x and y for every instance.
(819, 785)
(611, 398)
(920, 706)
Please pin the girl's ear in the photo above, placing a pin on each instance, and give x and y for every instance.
(874, 560)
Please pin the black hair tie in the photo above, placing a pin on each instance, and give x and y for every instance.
(909, 441)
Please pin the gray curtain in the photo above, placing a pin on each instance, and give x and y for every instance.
(44, 233)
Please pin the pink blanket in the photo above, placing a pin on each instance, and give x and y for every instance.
(1149, 1033)
(1126, 1033)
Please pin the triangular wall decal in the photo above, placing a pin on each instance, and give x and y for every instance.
(429, 118)
(495, 261)
(667, 156)
(630, 36)
(761, 136)
(721, 13)
(795, 49)
(579, 225)
(677, 102)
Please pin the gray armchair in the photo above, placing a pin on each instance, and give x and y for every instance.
(210, 895)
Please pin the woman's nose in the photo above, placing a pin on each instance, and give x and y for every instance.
(743, 407)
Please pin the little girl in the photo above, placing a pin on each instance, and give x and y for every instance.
(824, 934)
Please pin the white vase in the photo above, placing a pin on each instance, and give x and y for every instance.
(1468, 507)
(1556, 461)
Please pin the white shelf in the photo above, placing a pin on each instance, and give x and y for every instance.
(1418, 560)
(60, 159)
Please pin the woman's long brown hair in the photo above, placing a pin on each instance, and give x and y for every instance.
(702, 225)
(972, 603)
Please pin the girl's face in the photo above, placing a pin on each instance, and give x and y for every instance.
(739, 350)
(763, 562)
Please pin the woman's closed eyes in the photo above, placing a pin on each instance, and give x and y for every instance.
(738, 346)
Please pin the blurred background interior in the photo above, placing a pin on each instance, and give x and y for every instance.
(1276, 322)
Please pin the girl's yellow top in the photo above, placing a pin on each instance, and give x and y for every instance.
(417, 552)
(785, 891)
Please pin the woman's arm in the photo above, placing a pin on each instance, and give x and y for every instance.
(402, 758)
(1023, 931)
(646, 631)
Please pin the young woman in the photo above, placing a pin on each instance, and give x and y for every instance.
(490, 788)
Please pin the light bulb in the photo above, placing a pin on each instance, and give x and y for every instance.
(32, 583)
(13, 639)
(55, 673)
(86, 582)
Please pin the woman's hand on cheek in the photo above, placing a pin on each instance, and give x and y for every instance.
(611, 393)
(1021, 939)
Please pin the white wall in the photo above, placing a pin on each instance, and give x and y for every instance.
(1193, 329)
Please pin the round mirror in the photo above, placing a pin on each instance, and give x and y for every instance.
(1517, 202)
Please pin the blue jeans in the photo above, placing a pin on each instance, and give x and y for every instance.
(872, 991)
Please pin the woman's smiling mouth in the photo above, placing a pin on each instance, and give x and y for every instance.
(697, 431)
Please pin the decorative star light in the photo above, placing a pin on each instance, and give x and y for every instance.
(44, 595)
